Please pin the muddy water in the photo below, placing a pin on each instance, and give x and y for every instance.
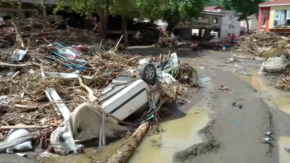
(178, 135)
(284, 156)
(90, 154)
(276, 98)
(269, 94)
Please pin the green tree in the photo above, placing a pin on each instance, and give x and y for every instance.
(172, 11)
(226, 4)
(87, 8)
(213, 3)
(176, 11)
(245, 8)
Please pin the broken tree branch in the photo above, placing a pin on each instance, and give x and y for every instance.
(19, 39)
(117, 45)
(15, 65)
(23, 127)
(92, 97)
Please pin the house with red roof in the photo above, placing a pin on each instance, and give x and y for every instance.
(274, 16)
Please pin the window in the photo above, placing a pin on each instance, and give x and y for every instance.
(215, 20)
(265, 15)
(277, 18)
(288, 14)
(282, 17)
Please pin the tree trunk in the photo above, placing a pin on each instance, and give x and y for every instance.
(103, 15)
(170, 27)
(248, 27)
(20, 9)
(128, 148)
(124, 29)
(44, 14)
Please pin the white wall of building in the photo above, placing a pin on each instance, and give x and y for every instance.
(253, 24)
(230, 24)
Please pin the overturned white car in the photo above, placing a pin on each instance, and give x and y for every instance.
(122, 99)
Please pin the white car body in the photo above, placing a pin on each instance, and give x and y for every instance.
(122, 101)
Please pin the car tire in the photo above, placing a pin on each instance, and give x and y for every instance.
(148, 73)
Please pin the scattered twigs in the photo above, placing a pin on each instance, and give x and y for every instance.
(118, 43)
(19, 39)
(15, 74)
(14, 65)
(92, 97)
(283, 83)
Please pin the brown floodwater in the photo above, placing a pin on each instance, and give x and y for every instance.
(179, 134)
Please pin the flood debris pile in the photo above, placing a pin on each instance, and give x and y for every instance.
(70, 94)
(40, 31)
(275, 48)
(264, 44)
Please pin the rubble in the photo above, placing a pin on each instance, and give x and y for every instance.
(39, 31)
(267, 44)
(273, 47)
(60, 88)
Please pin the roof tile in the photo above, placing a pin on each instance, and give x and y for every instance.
(275, 2)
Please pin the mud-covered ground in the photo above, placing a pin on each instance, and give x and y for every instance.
(234, 133)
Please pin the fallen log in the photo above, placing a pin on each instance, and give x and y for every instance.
(129, 147)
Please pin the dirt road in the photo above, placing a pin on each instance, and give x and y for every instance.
(235, 132)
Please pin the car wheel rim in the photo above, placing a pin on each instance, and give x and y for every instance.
(149, 73)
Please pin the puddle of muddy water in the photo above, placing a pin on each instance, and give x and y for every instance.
(284, 156)
(90, 154)
(254, 79)
(179, 134)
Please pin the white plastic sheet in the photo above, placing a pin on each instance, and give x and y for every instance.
(274, 64)
(18, 133)
(83, 125)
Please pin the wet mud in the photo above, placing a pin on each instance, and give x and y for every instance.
(210, 145)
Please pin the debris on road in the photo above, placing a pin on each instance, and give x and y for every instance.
(76, 89)
(246, 74)
(205, 79)
(223, 88)
(287, 149)
(283, 83)
(234, 103)
(267, 44)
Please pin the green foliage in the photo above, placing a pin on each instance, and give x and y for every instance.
(85, 7)
(226, 4)
(213, 3)
(183, 10)
(244, 7)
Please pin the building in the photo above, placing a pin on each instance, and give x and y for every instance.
(274, 16)
(203, 28)
(253, 23)
(229, 22)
